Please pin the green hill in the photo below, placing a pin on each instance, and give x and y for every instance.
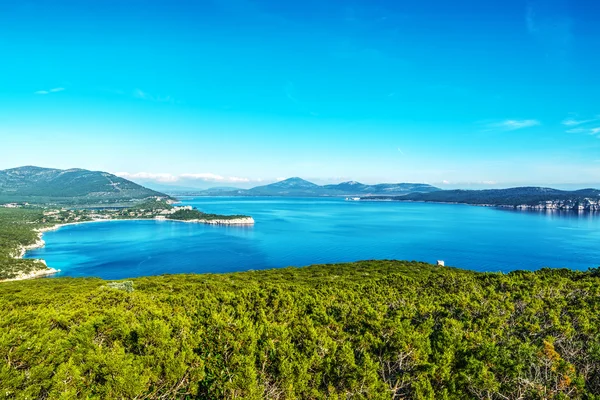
(526, 196)
(73, 186)
(367, 330)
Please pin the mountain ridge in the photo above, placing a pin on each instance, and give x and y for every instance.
(74, 185)
(296, 186)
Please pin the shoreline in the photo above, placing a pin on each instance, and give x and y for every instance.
(38, 273)
(522, 207)
(22, 250)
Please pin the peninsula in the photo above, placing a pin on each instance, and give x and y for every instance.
(520, 198)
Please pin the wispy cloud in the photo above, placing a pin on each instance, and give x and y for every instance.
(513, 124)
(589, 131)
(469, 183)
(575, 122)
(53, 90)
(160, 177)
(587, 126)
(168, 178)
(208, 177)
(142, 95)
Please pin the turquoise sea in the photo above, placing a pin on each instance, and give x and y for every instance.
(304, 231)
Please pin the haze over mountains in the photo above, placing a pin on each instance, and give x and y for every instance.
(303, 188)
(35, 184)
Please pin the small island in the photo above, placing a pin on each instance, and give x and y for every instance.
(23, 225)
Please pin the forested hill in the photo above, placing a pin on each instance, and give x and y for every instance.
(367, 330)
(40, 185)
(531, 196)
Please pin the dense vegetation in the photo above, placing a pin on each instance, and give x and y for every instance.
(73, 186)
(152, 205)
(17, 229)
(510, 197)
(191, 215)
(372, 330)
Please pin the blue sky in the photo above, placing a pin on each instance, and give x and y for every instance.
(241, 92)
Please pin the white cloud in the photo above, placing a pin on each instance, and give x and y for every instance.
(589, 131)
(514, 124)
(140, 94)
(166, 177)
(575, 122)
(53, 90)
(160, 177)
(445, 182)
(208, 177)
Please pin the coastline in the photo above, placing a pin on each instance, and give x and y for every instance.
(522, 207)
(39, 273)
(22, 250)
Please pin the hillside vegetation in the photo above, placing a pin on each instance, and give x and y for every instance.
(367, 330)
(509, 197)
(73, 186)
(17, 230)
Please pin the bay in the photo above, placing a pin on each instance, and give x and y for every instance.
(304, 231)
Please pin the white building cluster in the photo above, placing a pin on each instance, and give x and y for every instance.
(175, 209)
(576, 205)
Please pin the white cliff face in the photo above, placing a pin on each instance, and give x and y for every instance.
(23, 249)
(43, 268)
(34, 274)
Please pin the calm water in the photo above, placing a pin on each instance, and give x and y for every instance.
(297, 232)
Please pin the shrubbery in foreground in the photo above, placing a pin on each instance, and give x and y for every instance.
(375, 329)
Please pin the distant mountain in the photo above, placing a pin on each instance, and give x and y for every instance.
(165, 188)
(214, 191)
(534, 197)
(222, 189)
(76, 186)
(288, 187)
(357, 188)
(302, 188)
